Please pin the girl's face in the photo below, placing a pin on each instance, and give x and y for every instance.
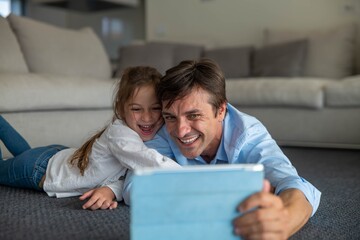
(143, 112)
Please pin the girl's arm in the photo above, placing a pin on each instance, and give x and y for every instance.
(128, 148)
(102, 197)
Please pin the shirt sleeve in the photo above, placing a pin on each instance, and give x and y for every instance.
(161, 144)
(127, 187)
(129, 149)
(116, 187)
(259, 147)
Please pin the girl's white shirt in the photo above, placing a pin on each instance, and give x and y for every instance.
(119, 148)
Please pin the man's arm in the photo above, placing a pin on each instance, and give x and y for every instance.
(298, 207)
(261, 148)
(280, 214)
(275, 217)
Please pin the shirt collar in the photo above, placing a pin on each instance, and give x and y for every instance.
(220, 157)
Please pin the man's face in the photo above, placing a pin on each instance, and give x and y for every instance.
(192, 123)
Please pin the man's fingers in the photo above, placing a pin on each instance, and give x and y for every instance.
(264, 235)
(260, 199)
(262, 222)
(249, 202)
(263, 227)
(259, 230)
(260, 215)
(266, 186)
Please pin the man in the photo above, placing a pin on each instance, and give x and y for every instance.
(202, 128)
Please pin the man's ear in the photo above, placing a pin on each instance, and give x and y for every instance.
(222, 111)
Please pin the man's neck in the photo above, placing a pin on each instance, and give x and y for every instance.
(207, 158)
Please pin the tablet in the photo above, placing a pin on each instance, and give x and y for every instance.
(194, 202)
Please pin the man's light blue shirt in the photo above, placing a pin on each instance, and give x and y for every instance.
(245, 140)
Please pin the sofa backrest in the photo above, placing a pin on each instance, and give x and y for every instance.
(54, 50)
(160, 55)
(11, 57)
(323, 53)
(331, 52)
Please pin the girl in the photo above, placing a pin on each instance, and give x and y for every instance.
(100, 163)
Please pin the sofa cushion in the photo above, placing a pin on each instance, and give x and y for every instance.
(181, 51)
(339, 41)
(55, 50)
(234, 61)
(344, 93)
(280, 60)
(25, 92)
(278, 92)
(11, 57)
(158, 57)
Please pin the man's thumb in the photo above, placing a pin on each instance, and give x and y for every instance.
(266, 186)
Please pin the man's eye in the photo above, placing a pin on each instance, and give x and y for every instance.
(193, 116)
(169, 118)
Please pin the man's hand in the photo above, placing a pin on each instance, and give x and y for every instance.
(268, 221)
(102, 197)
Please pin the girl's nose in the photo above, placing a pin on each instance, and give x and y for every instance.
(146, 116)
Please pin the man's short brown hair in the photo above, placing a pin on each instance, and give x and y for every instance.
(180, 80)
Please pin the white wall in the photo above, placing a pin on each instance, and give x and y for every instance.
(131, 21)
(210, 22)
(234, 22)
(54, 16)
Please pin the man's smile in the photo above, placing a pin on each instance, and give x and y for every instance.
(188, 140)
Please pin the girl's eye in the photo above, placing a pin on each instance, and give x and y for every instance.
(157, 108)
(135, 109)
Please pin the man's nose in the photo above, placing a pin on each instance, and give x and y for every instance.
(183, 128)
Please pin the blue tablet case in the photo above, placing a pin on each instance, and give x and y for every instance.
(191, 203)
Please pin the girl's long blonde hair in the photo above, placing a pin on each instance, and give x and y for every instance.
(132, 78)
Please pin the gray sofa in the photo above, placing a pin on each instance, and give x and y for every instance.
(57, 85)
(315, 113)
(317, 101)
(302, 85)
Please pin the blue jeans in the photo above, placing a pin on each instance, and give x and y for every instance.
(28, 165)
